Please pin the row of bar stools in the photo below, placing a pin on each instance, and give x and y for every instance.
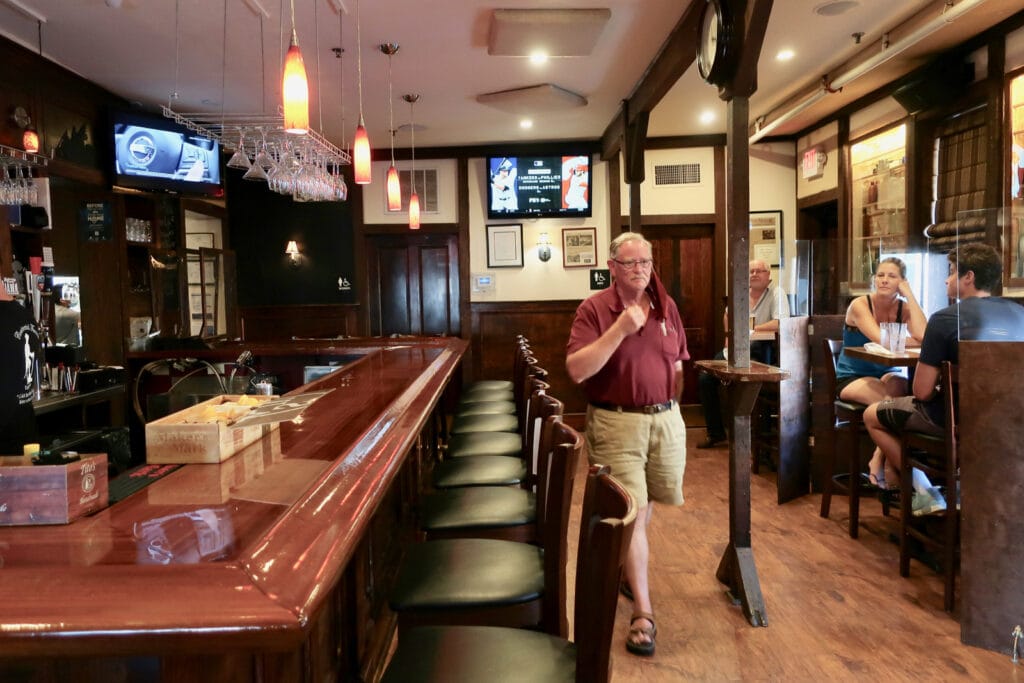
(498, 510)
(499, 582)
(464, 654)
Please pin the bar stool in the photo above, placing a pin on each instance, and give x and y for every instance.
(485, 581)
(503, 512)
(521, 345)
(468, 654)
(848, 419)
(936, 456)
(499, 458)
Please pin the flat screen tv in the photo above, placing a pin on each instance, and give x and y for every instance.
(538, 186)
(150, 152)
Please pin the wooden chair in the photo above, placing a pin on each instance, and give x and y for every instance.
(936, 456)
(457, 654)
(848, 420)
(495, 416)
(501, 512)
(474, 581)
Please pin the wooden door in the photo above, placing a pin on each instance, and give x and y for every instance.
(414, 284)
(683, 259)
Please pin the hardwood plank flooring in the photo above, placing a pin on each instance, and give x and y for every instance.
(838, 610)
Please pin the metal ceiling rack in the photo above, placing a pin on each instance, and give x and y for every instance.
(10, 156)
(234, 131)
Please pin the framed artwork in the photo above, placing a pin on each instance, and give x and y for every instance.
(579, 247)
(505, 246)
(766, 237)
(200, 240)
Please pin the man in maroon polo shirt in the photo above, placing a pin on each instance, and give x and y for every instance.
(627, 348)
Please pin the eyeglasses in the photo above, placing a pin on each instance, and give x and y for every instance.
(644, 263)
(755, 271)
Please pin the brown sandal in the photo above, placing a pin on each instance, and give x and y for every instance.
(644, 649)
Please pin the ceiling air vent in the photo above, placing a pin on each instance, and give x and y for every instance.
(426, 188)
(673, 175)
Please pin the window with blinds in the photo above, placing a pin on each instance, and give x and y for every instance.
(959, 165)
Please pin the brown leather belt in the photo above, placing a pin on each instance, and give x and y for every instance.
(646, 410)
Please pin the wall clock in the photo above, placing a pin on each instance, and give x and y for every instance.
(715, 49)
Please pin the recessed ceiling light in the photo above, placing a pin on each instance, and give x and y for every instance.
(707, 116)
(538, 58)
(785, 55)
(836, 7)
(526, 124)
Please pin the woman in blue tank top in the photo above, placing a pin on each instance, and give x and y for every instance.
(866, 382)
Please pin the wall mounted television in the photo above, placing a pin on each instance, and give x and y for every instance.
(553, 186)
(151, 152)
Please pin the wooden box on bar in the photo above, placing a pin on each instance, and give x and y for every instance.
(51, 494)
(181, 438)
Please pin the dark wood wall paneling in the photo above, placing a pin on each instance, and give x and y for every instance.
(545, 323)
(275, 323)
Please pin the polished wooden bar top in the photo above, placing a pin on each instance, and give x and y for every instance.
(896, 360)
(244, 550)
(757, 372)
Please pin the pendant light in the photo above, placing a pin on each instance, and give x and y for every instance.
(295, 87)
(414, 199)
(361, 144)
(393, 185)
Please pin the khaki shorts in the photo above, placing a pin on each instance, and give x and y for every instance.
(646, 453)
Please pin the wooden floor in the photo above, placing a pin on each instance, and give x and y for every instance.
(837, 608)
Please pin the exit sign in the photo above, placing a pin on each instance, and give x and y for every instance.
(813, 165)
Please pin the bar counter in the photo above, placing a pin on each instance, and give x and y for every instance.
(259, 568)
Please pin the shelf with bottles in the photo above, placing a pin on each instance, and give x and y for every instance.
(867, 252)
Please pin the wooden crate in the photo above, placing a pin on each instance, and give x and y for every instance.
(173, 439)
(51, 494)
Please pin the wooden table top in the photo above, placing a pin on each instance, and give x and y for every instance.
(757, 372)
(900, 360)
(239, 553)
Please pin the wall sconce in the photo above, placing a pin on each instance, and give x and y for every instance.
(294, 256)
(29, 138)
(544, 247)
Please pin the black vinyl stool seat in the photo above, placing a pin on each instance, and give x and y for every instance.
(848, 417)
(486, 395)
(481, 470)
(486, 422)
(472, 654)
(485, 443)
(936, 456)
(477, 581)
(485, 408)
(521, 349)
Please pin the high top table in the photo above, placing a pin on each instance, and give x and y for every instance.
(737, 569)
(271, 566)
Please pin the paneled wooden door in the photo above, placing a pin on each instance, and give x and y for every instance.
(683, 259)
(414, 284)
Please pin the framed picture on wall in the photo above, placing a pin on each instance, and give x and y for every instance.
(505, 246)
(766, 237)
(579, 247)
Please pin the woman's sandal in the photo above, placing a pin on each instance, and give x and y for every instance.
(644, 649)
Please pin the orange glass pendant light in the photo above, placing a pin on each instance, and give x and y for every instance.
(361, 154)
(414, 211)
(295, 87)
(394, 190)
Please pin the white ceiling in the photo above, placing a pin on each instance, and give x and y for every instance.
(132, 48)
